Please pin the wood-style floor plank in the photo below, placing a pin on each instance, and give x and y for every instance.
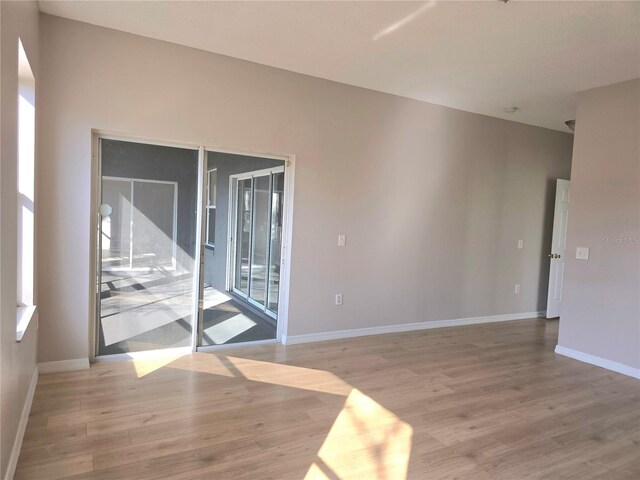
(479, 402)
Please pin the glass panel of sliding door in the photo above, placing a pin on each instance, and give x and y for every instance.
(147, 246)
(244, 216)
(275, 241)
(258, 240)
(239, 272)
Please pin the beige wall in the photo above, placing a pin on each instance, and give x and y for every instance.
(432, 200)
(17, 360)
(600, 313)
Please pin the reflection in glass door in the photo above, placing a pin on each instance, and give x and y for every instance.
(258, 198)
(244, 199)
(260, 239)
(147, 246)
(277, 203)
(128, 234)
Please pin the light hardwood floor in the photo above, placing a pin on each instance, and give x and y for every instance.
(480, 402)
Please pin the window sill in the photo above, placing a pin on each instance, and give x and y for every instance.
(24, 315)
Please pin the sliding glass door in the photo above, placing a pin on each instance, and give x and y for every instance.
(244, 218)
(241, 254)
(275, 241)
(147, 246)
(257, 239)
(189, 247)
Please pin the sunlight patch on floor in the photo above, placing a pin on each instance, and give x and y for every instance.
(266, 372)
(230, 328)
(148, 362)
(139, 320)
(365, 441)
(290, 376)
(213, 298)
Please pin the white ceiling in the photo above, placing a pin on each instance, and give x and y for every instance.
(476, 56)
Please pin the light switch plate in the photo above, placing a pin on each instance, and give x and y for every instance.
(520, 243)
(582, 253)
(342, 240)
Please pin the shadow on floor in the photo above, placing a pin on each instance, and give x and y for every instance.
(153, 311)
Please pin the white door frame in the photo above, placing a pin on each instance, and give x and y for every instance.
(233, 228)
(95, 252)
(94, 239)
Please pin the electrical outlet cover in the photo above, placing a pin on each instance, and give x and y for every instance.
(582, 253)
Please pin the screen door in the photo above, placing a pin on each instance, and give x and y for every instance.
(147, 246)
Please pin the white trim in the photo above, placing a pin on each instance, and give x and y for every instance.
(247, 153)
(141, 180)
(282, 327)
(598, 361)
(263, 172)
(404, 327)
(64, 365)
(24, 315)
(22, 426)
(209, 242)
(198, 261)
(123, 137)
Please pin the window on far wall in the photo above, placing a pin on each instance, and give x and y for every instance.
(212, 178)
(26, 178)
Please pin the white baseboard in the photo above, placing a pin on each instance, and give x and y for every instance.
(22, 426)
(404, 327)
(64, 365)
(598, 361)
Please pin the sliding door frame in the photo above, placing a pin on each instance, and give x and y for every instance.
(95, 241)
(232, 230)
(285, 248)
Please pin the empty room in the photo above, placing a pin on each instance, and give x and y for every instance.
(319, 240)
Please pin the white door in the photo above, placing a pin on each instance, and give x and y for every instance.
(558, 243)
